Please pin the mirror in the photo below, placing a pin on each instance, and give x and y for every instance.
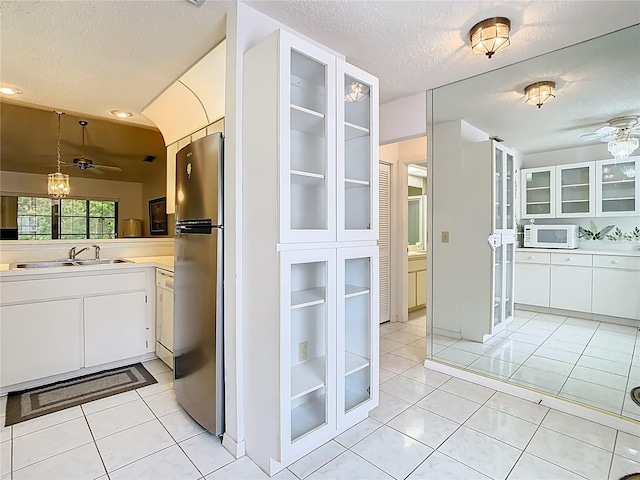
(575, 353)
(134, 172)
(416, 207)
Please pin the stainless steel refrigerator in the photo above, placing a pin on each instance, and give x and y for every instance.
(198, 320)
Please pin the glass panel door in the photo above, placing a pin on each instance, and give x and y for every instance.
(618, 187)
(309, 333)
(575, 192)
(357, 332)
(498, 282)
(510, 222)
(538, 193)
(498, 188)
(308, 137)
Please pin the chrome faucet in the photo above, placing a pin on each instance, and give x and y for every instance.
(73, 254)
(97, 256)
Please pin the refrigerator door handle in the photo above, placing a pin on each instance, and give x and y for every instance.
(195, 229)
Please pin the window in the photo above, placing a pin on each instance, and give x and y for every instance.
(45, 218)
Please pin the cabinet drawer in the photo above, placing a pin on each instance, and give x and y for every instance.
(533, 257)
(580, 260)
(616, 261)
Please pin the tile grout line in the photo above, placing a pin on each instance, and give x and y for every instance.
(527, 445)
(95, 443)
(613, 453)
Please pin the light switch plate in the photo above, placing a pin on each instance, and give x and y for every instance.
(445, 237)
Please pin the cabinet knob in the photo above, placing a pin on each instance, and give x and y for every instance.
(615, 261)
(570, 259)
(531, 257)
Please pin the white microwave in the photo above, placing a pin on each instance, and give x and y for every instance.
(551, 236)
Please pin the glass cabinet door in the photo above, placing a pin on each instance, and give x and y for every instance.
(307, 329)
(357, 318)
(357, 159)
(498, 189)
(510, 219)
(617, 187)
(308, 167)
(498, 281)
(575, 191)
(538, 194)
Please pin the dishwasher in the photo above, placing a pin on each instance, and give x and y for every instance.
(164, 316)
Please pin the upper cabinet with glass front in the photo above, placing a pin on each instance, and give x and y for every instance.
(575, 190)
(357, 141)
(538, 192)
(617, 187)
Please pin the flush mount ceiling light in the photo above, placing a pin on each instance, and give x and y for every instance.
(539, 93)
(356, 92)
(121, 113)
(10, 90)
(58, 186)
(490, 36)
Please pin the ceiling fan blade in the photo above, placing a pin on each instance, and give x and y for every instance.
(606, 130)
(107, 167)
(95, 170)
(590, 136)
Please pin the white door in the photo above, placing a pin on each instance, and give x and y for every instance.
(383, 242)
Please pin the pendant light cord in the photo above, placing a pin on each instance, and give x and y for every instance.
(59, 118)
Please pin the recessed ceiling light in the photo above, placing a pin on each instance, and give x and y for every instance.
(121, 113)
(10, 90)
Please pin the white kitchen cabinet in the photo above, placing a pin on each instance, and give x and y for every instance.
(533, 278)
(114, 327)
(357, 141)
(571, 275)
(575, 190)
(39, 340)
(538, 192)
(617, 188)
(309, 249)
(356, 343)
(616, 286)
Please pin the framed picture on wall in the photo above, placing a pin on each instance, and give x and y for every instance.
(158, 216)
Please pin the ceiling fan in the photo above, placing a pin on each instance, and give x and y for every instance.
(615, 128)
(84, 163)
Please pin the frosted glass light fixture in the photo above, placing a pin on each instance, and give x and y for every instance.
(539, 93)
(58, 186)
(490, 36)
(622, 146)
(356, 92)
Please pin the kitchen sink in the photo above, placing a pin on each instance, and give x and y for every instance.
(107, 261)
(67, 263)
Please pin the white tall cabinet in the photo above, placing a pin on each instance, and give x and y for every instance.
(310, 260)
(488, 260)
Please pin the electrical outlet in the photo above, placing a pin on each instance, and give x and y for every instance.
(445, 237)
(303, 351)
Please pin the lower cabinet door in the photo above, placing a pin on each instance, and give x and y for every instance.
(571, 288)
(411, 290)
(38, 340)
(421, 287)
(532, 284)
(114, 327)
(616, 292)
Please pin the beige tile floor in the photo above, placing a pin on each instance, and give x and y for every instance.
(428, 426)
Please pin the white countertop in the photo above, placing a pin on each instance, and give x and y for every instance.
(624, 253)
(165, 262)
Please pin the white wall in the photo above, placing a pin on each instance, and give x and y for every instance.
(127, 194)
(586, 153)
(403, 118)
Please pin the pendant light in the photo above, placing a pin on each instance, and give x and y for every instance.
(58, 181)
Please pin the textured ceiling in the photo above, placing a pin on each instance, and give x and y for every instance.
(595, 81)
(415, 45)
(96, 56)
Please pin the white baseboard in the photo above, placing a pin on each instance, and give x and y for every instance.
(608, 419)
(232, 446)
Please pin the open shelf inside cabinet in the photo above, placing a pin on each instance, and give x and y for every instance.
(357, 205)
(307, 121)
(357, 113)
(306, 377)
(354, 291)
(307, 178)
(307, 153)
(308, 413)
(354, 363)
(352, 131)
(308, 195)
(308, 77)
(308, 297)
